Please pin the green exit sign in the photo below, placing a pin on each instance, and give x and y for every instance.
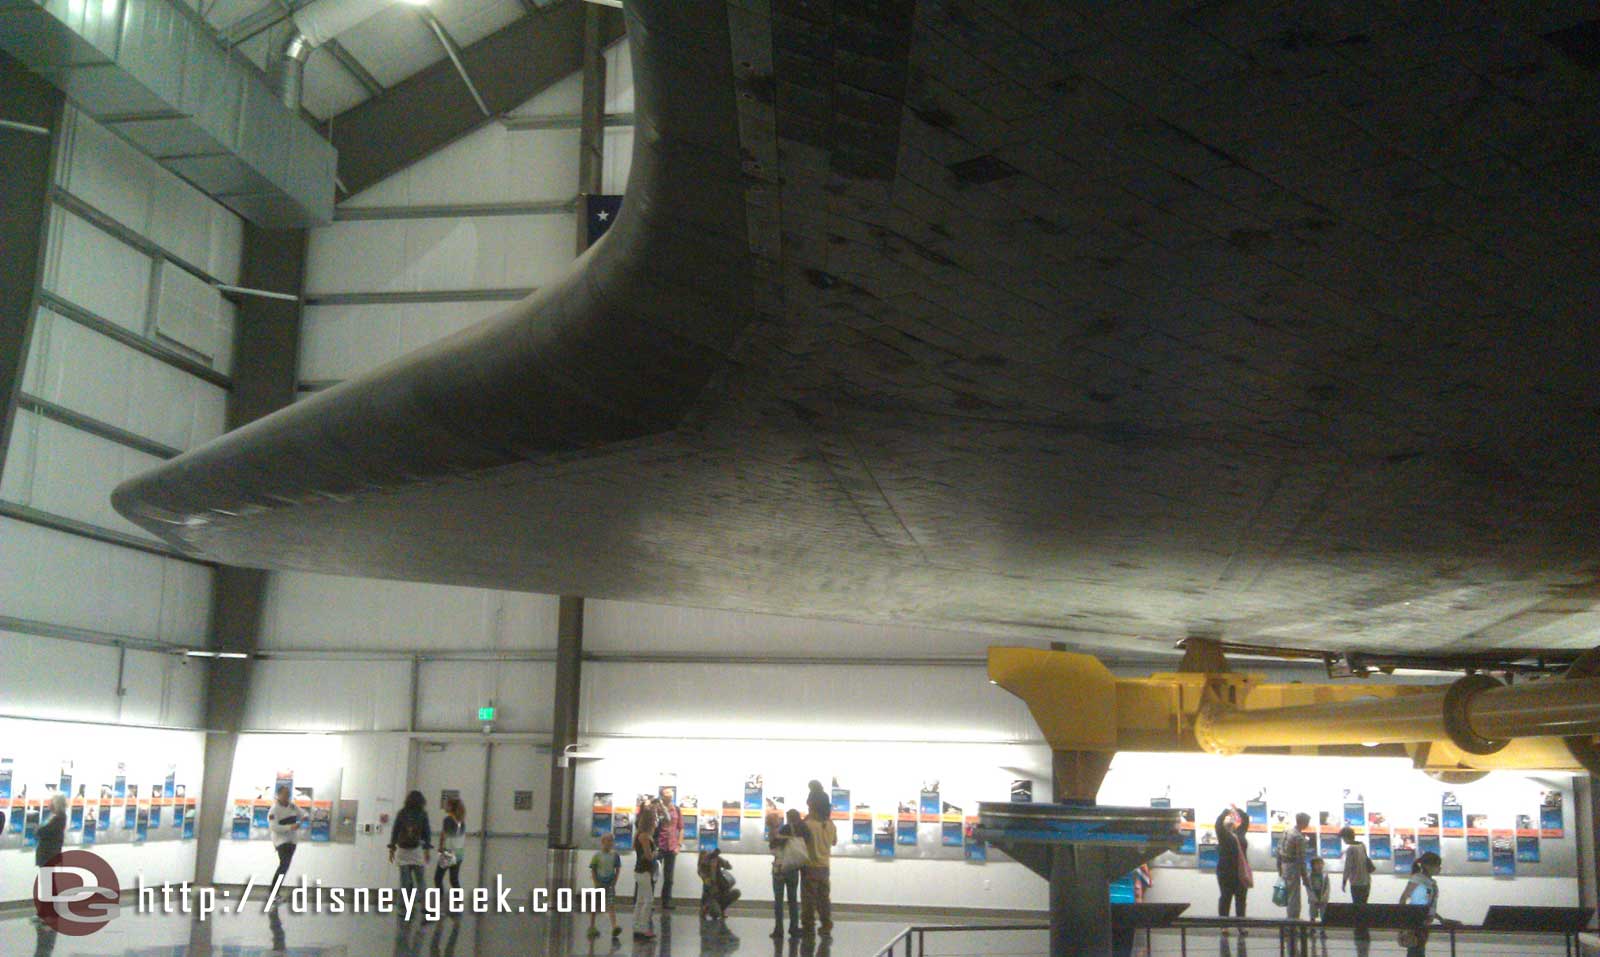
(486, 713)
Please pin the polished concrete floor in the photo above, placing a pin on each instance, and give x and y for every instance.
(252, 934)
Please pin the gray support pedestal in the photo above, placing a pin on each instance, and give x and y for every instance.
(1080, 902)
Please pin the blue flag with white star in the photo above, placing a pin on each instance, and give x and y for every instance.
(601, 211)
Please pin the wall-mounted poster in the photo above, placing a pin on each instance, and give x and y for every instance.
(169, 787)
(600, 816)
(730, 818)
(1208, 850)
(103, 822)
(5, 779)
(321, 821)
(1022, 792)
(622, 829)
(1527, 844)
(840, 799)
(861, 825)
(1161, 802)
(1257, 812)
(130, 808)
(156, 804)
(708, 832)
(753, 805)
(91, 828)
(905, 831)
(689, 807)
(973, 849)
(1503, 853)
(1378, 847)
(75, 815)
(1552, 820)
(1477, 822)
(258, 813)
(190, 814)
(141, 826)
(30, 823)
(285, 779)
(304, 799)
(1355, 810)
(14, 819)
(883, 838)
(1405, 851)
(65, 783)
(928, 801)
(1186, 827)
(1477, 846)
(950, 827)
(1450, 815)
(1428, 842)
(119, 786)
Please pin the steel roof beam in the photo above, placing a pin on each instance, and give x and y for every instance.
(432, 108)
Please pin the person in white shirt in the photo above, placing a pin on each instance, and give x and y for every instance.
(283, 823)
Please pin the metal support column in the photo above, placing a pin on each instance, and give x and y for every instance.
(592, 133)
(30, 115)
(1080, 901)
(266, 349)
(564, 735)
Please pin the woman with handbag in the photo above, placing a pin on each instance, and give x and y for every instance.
(452, 843)
(789, 855)
(1234, 876)
(1423, 891)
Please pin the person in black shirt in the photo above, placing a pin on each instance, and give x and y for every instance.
(52, 834)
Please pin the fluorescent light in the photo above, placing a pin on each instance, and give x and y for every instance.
(204, 653)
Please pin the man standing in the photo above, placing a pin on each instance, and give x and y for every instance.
(283, 823)
(815, 889)
(1292, 856)
(669, 837)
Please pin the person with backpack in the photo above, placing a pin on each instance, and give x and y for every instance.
(411, 841)
(1292, 856)
(789, 856)
(605, 866)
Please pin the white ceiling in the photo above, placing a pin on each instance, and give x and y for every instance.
(390, 46)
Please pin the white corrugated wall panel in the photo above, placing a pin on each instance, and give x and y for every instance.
(315, 695)
(338, 342)
(55, 678)
(162, 688)
(325, 611)
(64, 579)
(58, 469)
(76, 367)
(619, 78)
(822, 702)
(96, 271)
(450, 692)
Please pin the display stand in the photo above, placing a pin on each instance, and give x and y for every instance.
(1080, 849)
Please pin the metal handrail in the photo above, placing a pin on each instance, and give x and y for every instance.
(917, 933)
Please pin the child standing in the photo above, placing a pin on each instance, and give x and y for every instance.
(1317, 885)
(604, 867)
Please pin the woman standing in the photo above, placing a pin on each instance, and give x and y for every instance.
(1233, 867)
(644, 884)
(1422, 890)
(669, 838)
(452, 843)
(411, 841)
(1358, 867)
